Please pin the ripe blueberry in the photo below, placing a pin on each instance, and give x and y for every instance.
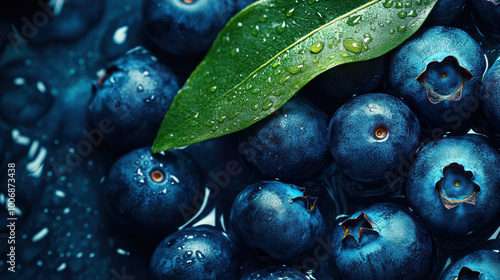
(152, 195)
(437, 74)
(342, 82)
(383, 241)
(445, 11)
(134, 94)
(453, 185)
(194, 253)
(488, 13)
(482, 264)
(370, 134)
(270, 148)
(490, 91)
(185, 27)
(277, 218)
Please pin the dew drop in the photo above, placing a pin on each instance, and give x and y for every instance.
(235, 52)
(353, 45)
(399, 4)
(290, 12)
(255, 107)
(392, 31)
(213, 89)
(354, 20)
(267, 106)
(412, 13)
(367, 39)
(402, 14)
(402, 28)
(283, 80)
(387, 3)
(263, 18)
(320, 18)
(140, 88)
(255, 30)
(296, 69)
(317, 47)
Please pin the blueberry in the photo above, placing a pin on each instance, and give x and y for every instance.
(482, 264)
(278, 219)
(272, 273)
(270, 149)
(25, 96)
(132, 97)
(488, 12)
(445, 11)
(62, 21)
(439, 81)
(370, 134)
(383, 241)
(185, 27)
(152, 195)
(342, 82)
(194, 253)
(490, 91)
(453, 185)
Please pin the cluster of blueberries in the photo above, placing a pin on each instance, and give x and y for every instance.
(431, 137)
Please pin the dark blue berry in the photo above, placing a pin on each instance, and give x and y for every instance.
(344, 81)
(270, 148)
(185, 27)
(272, 273)
(482, 264)
(383, 241)
(490, 91)
(194, 253)
(132, 97)
(152, 195)
(121, 35)
(437, 74)
(242, 4)
(487, 13)
(61, 21)
(371, 134)
(453, 185)
(445, 11)
(278, 219)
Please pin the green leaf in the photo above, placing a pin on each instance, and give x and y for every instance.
(270, 50)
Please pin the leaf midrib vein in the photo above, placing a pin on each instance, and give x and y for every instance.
(280, 53)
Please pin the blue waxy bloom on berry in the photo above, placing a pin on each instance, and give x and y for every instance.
(482, 264)
(453, 185)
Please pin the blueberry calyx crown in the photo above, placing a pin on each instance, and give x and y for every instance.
(467, 274)
(360, 226)
(444, 80)
(457, 186)
(381, 132)
(309, 201)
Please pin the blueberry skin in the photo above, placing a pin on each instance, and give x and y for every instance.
(488, 12)
(270, 149)
(75, 19)
(272, 273)
(194, 253)
(485, 264)
(441, 49)
(490, 91)
(445, 11)
(135, 95)
(346, 80)
(183, 28)
(358, 150)
(394, 244)
(266, 217)
(152, 195)
(423, 196)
